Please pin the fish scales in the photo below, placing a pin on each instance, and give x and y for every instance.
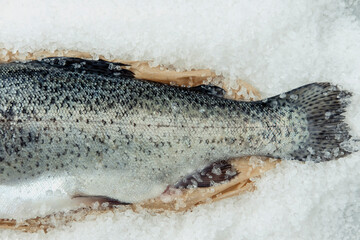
(105, 133)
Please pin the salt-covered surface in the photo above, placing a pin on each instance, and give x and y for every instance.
(276, 45)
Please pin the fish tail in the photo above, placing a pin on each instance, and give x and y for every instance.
(328, 134)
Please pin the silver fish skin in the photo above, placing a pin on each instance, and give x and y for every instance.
(89, 128)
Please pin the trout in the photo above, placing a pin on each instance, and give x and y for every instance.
(84, 128)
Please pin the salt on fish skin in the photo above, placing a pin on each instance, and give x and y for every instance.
(108, 134)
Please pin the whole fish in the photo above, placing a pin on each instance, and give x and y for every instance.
(82, 128)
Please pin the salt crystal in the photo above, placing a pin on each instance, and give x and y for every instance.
(294, 96)
(216, 171)
(310, 150)
(327, 115)
(77, 65)
(175, 106)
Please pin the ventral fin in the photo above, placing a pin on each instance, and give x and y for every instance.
(80, 65)
(210, 90)
(89, 200)
(215, 173)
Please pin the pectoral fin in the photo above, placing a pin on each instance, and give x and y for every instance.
(89, 200)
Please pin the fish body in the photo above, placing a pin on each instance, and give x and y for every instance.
(76, 127)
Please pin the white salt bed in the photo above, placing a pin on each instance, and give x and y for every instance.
(275, 45)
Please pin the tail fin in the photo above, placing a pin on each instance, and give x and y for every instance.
(324, 105)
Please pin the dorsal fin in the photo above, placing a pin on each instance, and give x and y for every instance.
(213, 174)
(210, 90)
(80, 65)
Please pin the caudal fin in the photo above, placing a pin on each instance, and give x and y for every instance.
(324, 105)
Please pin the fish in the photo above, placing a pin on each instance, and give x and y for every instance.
(79, 129)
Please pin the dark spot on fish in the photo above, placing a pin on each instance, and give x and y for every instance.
(287, 134)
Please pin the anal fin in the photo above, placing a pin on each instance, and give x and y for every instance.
(211, 175)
